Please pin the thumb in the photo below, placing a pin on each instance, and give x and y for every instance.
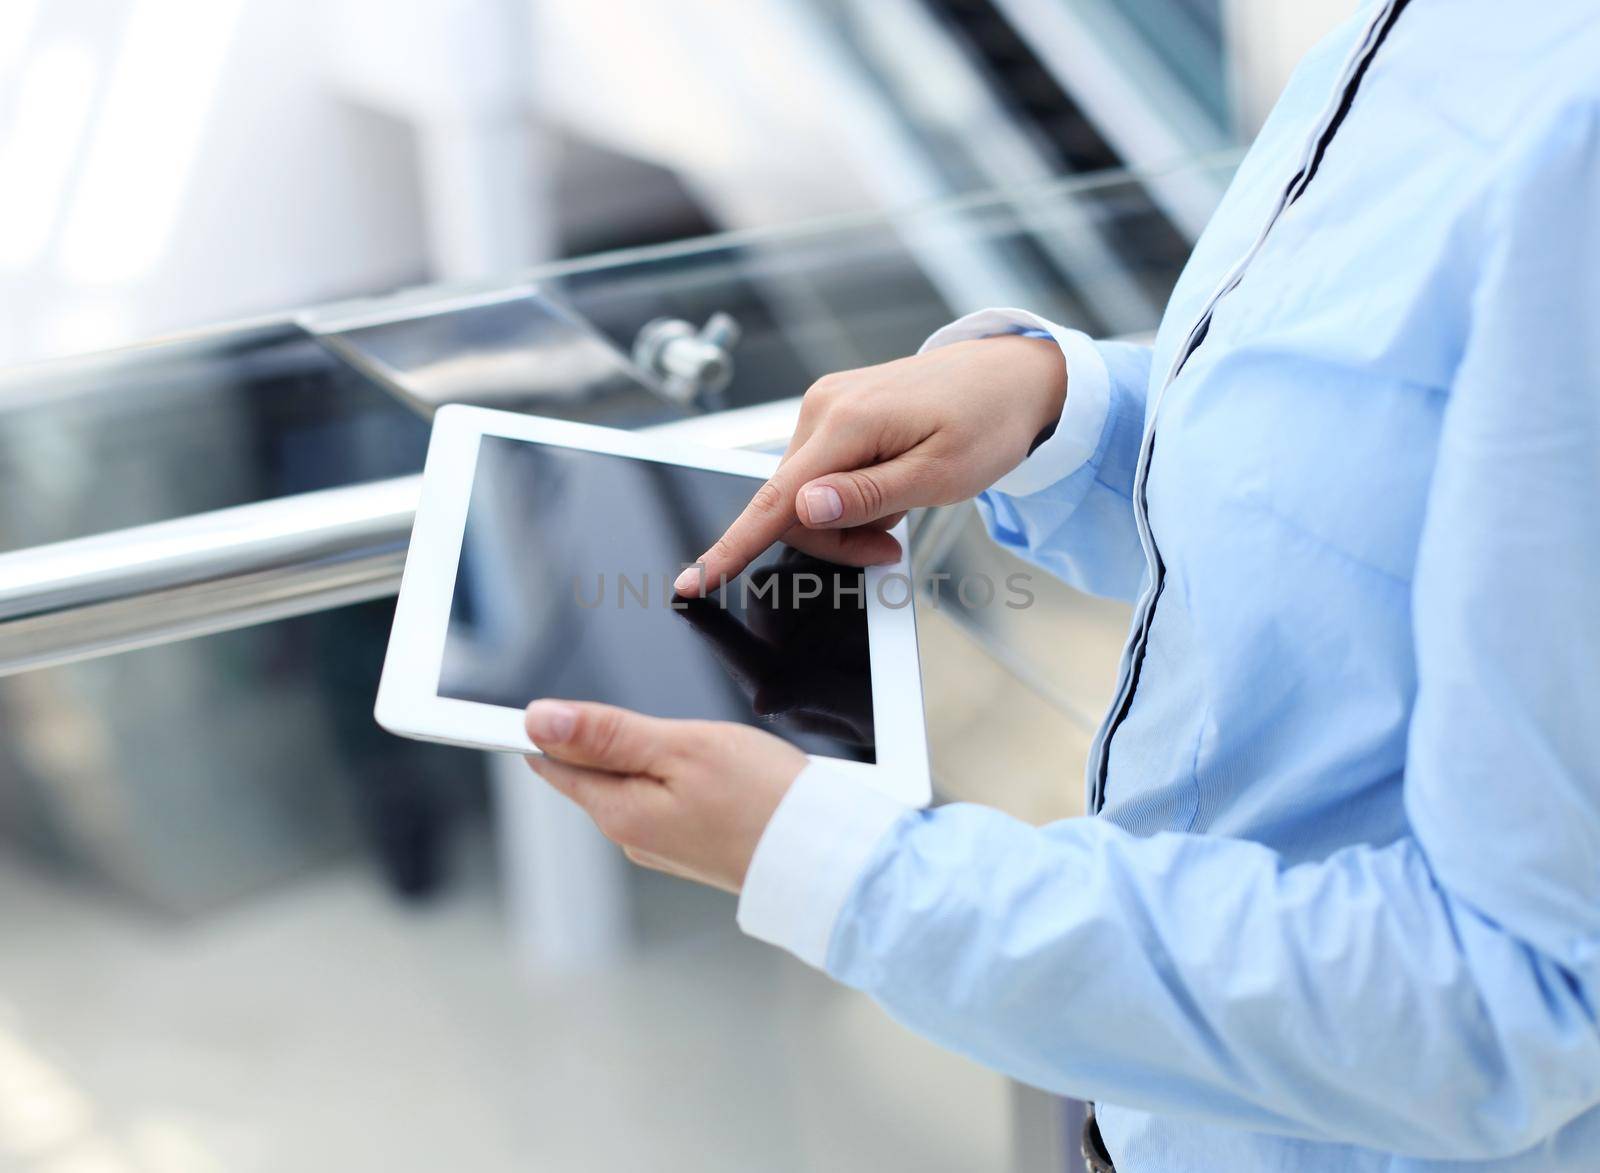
(841, 500)
(600, 736)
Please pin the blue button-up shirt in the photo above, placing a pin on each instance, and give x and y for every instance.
(1341, 909)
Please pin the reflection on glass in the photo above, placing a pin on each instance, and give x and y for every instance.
(516, 351)
(564, 589)
(799, 651)
(176, 428)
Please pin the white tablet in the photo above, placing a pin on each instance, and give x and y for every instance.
(541, 565)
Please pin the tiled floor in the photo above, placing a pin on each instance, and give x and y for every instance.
(326, 1028)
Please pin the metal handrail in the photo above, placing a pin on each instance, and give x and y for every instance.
(230, 568)
(198, 575)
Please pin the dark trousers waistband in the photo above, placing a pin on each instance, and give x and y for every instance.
(1095, 1157)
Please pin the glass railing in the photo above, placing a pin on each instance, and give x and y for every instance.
(304, 410)
(227, 511)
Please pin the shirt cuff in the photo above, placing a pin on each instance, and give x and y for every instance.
(817, 844)
(1083, 419)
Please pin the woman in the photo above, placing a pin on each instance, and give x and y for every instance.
(1341, 905)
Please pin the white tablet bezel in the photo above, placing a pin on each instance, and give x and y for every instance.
(408, 701)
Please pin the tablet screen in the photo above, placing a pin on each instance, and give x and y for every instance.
(564, 590)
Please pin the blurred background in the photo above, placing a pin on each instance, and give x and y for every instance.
(246, 247)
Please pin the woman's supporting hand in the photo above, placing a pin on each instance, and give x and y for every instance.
(870, 444)
(686, 797)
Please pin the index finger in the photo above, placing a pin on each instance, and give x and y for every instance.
(770, 515)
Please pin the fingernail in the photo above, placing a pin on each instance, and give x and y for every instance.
(551, 722)
(688, 582)
(823, 504)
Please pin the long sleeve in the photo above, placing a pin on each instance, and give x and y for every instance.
(1068, 507)
(1435, 996)
(1355, 1000)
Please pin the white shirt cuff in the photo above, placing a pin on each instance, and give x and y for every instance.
(818, 842)
(1083, 419)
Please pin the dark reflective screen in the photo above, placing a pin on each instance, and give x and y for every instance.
(564, 590)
